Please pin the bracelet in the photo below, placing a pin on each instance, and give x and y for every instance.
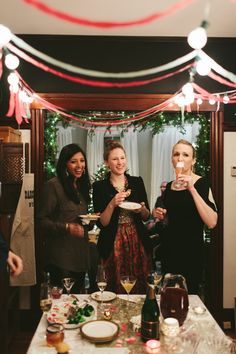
(67, 226)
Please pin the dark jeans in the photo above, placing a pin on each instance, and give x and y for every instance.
(57, 274)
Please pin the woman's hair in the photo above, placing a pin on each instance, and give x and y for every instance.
(66, 179)
(111, 145)
(186, 142)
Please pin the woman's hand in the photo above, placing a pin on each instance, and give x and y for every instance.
(145, 213)
(159, 213)
(117, 199)
(76, 230)
(186, 180)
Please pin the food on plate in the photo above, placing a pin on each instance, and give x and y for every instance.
(70, 313)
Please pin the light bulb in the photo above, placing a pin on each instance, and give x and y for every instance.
(226, 99)
(12, 61)
(189, 99)
(13, 79)
(187, 89)
(5, 35)
(203, 67)
(199, 101)
(212, 101)
(197, 38)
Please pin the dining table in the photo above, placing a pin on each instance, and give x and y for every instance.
(200, 333)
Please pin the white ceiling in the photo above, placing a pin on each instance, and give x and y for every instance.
(25, 19)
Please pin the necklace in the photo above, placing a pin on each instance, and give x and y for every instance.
(120, 186)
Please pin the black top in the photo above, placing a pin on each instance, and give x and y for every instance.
(103, 192)
(182, 238)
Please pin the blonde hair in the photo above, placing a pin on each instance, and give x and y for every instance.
(186, 142)
(111, 145)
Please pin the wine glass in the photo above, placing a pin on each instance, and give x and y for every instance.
(101, 280)
(45, 298)
(128, 282)
(178, 170)
(68, 283)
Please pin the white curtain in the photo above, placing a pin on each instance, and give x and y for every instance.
(64, 137)
(162, 144)
(95, 149)
(130, 143)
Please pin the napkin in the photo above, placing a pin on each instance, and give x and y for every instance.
(103, 350)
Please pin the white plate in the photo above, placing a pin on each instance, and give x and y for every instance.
(106, 296)
(99, 331)
(89, 216)
(130, 205)
(58, 314)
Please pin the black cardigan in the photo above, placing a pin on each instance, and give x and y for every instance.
(103, 192)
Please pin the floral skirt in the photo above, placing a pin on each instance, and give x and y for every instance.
(128, 258)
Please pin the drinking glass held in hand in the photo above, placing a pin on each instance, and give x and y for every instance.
(179, 170)
(101, 279)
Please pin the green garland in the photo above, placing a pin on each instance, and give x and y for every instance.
(156, 124)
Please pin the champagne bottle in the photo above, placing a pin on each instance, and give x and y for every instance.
(150, 313)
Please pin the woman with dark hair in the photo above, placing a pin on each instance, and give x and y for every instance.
(188, 204)
(123, 242)
(66, 239)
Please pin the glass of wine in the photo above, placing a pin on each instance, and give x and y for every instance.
(101, 279)
(128, 282)
(174, 297)
(45, 298)
(178, 170)
(68, 283)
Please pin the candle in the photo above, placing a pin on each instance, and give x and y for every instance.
(153, 346)
(199, 310)
(107, 314)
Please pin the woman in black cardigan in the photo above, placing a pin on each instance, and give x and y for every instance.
(123, 242)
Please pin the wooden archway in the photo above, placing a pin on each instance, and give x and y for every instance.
(137, 102)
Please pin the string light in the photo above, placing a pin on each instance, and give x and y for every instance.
(5, 36)
(197, 38)
(212, 101)
(12, 61)
(13, 79)
(203, 67)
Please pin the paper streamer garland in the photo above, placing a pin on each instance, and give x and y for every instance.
(106, 24)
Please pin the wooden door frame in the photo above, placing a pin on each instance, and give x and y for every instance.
(137, 102)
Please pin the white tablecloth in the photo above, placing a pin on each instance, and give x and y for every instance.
(80, 346)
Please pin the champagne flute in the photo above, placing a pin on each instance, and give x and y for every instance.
(68, 283)
(128, 282)
(101, 279)
(178, 170)
(45, 298)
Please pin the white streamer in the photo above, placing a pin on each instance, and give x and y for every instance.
(22, 44)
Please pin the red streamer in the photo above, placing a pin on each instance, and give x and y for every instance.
(12, 101)
(221, 80)
(93, 83)
(106, 24)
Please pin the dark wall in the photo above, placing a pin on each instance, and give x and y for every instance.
(121, 54)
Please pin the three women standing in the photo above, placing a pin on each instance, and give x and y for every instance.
(123, 244)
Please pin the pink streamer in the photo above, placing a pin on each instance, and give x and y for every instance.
(103, 24)
(1, 68)
(17, 110)
(93, 82)
(12, 101)
(221, 80)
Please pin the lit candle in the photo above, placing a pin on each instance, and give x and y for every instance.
(107, 314)
(199, 310)
(153, 346)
